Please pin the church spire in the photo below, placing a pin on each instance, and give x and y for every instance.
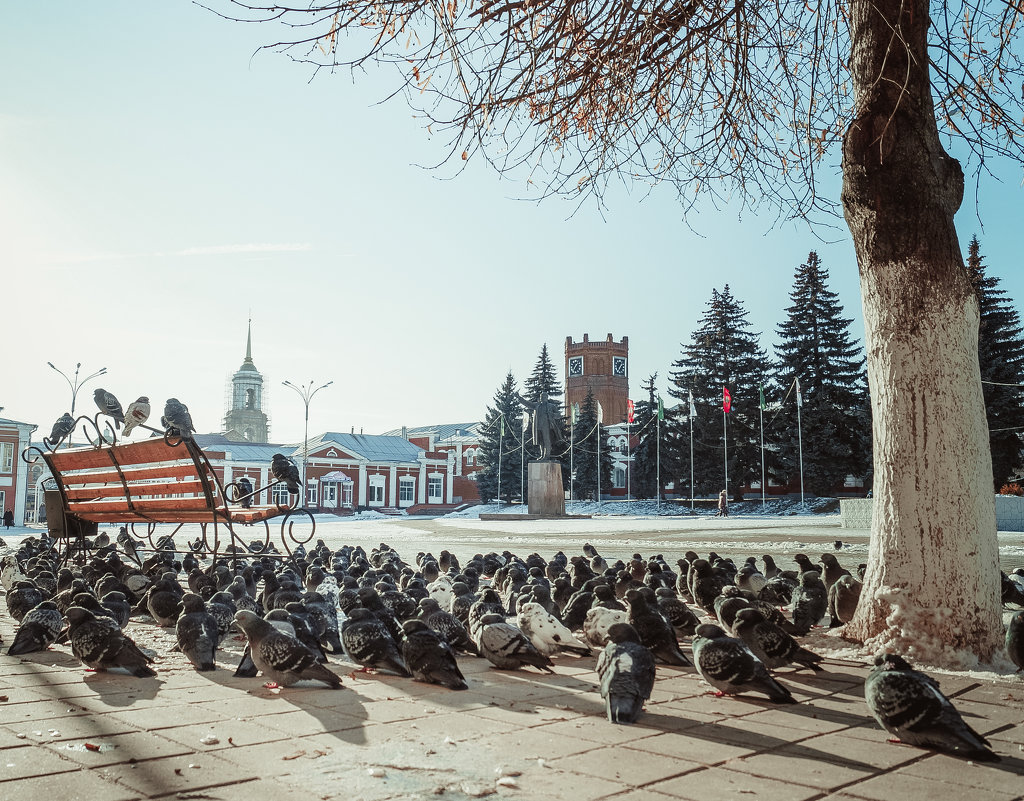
(248, 344)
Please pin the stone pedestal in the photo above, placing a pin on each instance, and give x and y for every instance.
(547, 497)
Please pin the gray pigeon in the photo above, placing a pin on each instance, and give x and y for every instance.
(102, 646)
(810, 601)
(770, 643)
(843, 597)
(429, 656)
(23, 597)
(197, 632)
(909, 705)
(284, 469)
(64, 425)
(368, 643)
(39, 629)
(729, 666)
(282, 659)
(176, 419)
(109, 405)
(1015, 640)
(505, 646)
(626, 670)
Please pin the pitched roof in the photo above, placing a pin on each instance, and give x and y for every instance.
(244, 451)
(371, 447)
(443, 432)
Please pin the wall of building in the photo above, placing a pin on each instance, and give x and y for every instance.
(598, 376)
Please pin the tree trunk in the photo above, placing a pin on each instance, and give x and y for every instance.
(932, 584)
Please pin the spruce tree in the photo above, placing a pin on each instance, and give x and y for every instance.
(815, 346)
(501, 433)
(644, 478)
(723, 354)
(1001, 359)
(585, 446)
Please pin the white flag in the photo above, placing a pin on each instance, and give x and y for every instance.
(600, 413)
(693, 409)
(575, 413)
(526, 420)
(799, 397)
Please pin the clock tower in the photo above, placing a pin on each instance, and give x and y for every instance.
(600, 367)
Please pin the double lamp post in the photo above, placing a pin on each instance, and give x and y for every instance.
(306, 392)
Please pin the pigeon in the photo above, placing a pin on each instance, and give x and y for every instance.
(770, 643)
(429, 656)
(282, 659)
(447, 625)
(909, 705)
(546, 633)
(1015, 640)
(599, 620)
(505, 646)
(810, 601)
(245, 489)
(110, 406)
(117, 606)
(22, 598)
(654, 629)
(728, 665)
(368, 643)
(176, 419)
(39, 629)
(102, 647)
(197, 632)
(64, 425)
(626, 670)
(137, 414)
(681, 617)
(843, 597)
(284, 469)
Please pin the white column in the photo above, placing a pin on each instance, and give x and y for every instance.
(21, 475)
(362, 500)
(450, 478)
(392, 487)
(458, 460)
(264, 496)
(421, 490)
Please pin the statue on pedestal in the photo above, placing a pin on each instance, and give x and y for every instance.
(544, 428)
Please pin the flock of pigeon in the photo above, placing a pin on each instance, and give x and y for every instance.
(416, 620)
(176, 419)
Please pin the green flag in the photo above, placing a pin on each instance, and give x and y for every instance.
(503, 425)
(661, 409)
(760, 391)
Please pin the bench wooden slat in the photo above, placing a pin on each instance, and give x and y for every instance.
(169, 505)
(137, 474)
(87, 457)
(137, 490)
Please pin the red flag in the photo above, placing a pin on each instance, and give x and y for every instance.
(629, 411)
(726, 400)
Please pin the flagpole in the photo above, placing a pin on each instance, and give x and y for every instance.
(501, 440)
(725, 444)
(800, 437)
(692, 410)
(657, 464)
(598, 431)
(572, 435)
(627, 459)
(522, 464)
(761, 407)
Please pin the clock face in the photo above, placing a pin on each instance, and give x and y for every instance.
(576, 365)
(619, 366)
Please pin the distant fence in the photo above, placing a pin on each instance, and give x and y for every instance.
(856, 512)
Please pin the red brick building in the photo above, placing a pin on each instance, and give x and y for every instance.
(14, 479)
(601, 368)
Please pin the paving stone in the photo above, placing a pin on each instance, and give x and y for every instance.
(907, 787)
(539, 742)
(599, 731)
(135, 746)
(173, 775)
(804, 764)
(279, 758)
(633, 767)
(803, 717)
(75, 726)
(720, 784)
(1005, 776)
(83, 785)
(229, 734)
(22, 763)
(9, 738)
(701, 744)
(165, 717)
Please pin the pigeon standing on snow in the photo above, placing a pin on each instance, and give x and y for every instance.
(284, 469)
(197, 632)
(137, 414)
(282, 659)
(39, 629)
(176, 419)
(505, 646)
(102, 646)
(1015, 640)
(109, 405)
(429, 656)
(729, 666)
(626, 670)
(909, 705)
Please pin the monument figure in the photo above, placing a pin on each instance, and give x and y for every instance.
(544, 426)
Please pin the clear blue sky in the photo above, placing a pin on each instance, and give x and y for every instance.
(158, 180)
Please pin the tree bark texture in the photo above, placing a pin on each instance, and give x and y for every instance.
(932, 584)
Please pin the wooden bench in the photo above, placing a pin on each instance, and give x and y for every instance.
(155, 481)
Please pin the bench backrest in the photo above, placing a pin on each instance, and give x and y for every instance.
(148, 480)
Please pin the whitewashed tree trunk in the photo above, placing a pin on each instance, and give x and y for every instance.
(932, 586)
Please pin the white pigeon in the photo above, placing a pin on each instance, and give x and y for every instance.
(599, 620)
(440, 590)
(136, 415)
(546, 632)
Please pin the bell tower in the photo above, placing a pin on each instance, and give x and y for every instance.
(601, 367)
(246, 421)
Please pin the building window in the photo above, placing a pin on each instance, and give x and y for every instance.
(330, 495)
(279, 494)
(376, 491)
(435, 485)
(406, 490)
(6, 457)
(619, 478)
(470, 458)
(346, 495)
(311, 494)
(333, 454)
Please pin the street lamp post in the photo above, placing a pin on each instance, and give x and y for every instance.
(76, 385)
(306, 393)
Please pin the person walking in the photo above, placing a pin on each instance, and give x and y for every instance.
(723, 504)
(8, 518)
